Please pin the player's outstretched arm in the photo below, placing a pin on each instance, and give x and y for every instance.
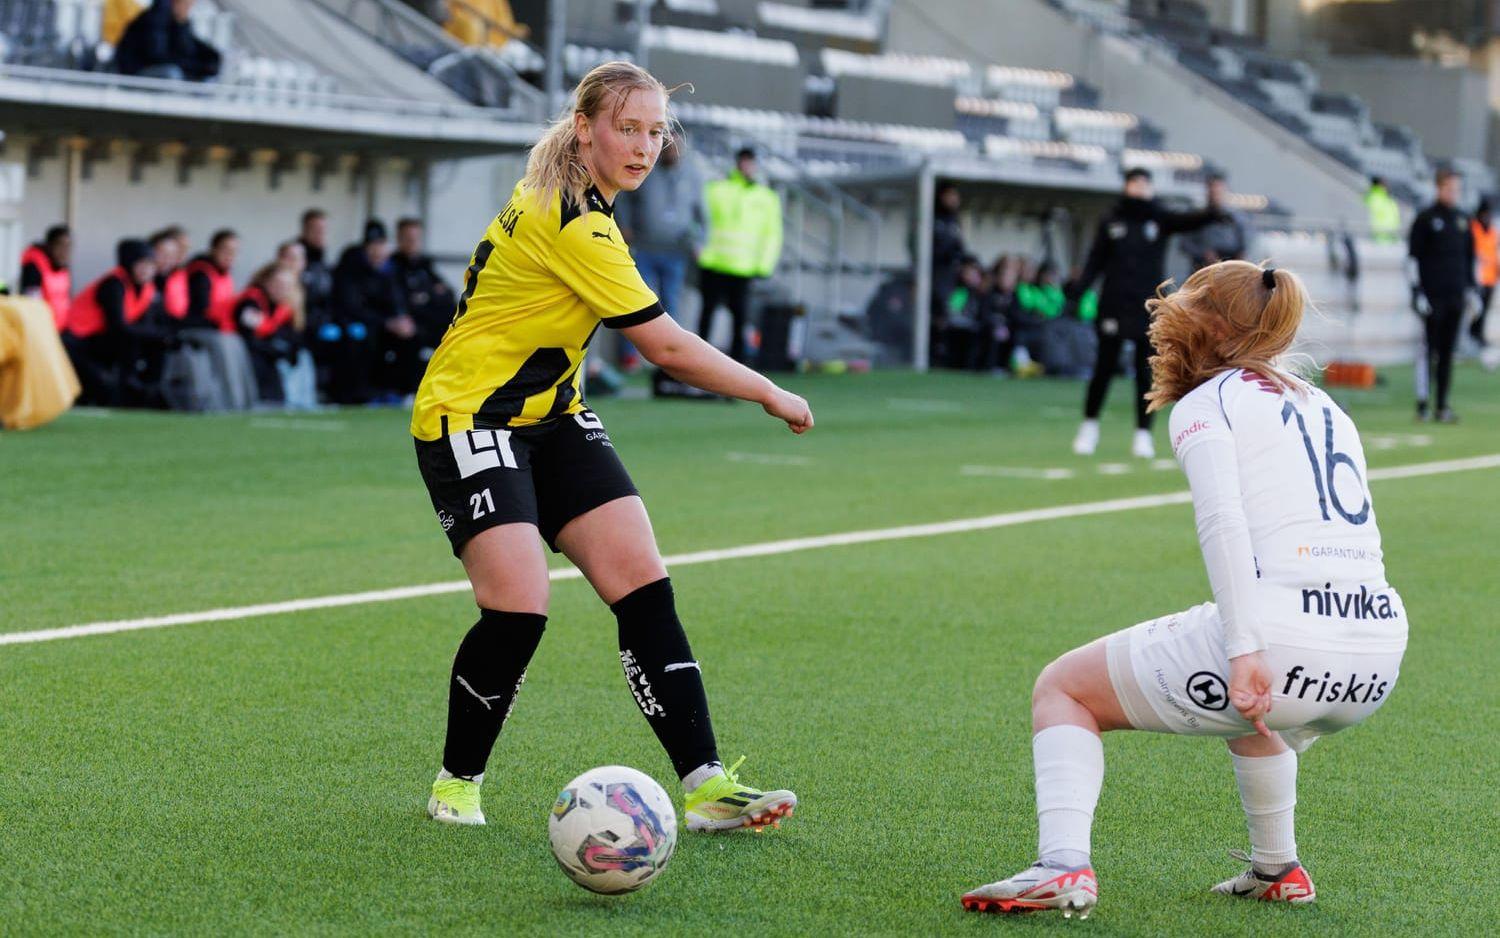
(689, 359)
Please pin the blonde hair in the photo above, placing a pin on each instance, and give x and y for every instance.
(297, 300)
(554, 164)
(1233, 314)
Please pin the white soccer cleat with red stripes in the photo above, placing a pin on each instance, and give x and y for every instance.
(1038, 887)
(1293, 886)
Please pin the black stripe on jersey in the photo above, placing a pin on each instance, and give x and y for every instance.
(539, 373)
(571, 210)
(635, 318)
(471, 276)
(565, 392)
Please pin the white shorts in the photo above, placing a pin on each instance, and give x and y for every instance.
(1171, 675)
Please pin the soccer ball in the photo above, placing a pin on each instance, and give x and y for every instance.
(613, 830)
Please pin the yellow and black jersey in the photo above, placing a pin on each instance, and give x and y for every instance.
(537, 287)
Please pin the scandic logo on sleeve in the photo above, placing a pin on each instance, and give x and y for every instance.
(1197, 427)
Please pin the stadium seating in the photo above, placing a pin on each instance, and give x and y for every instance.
(1285, 90)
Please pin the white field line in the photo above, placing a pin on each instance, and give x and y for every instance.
(768, 459)
(764, 549)
(1016, 472)
(286, 423)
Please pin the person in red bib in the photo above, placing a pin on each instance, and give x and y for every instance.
(45, 274)
(267, 318)
(168, 248)
(1487, 257)
(210, 284)
(103, 319)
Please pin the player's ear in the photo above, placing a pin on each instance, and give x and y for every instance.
(582, 129)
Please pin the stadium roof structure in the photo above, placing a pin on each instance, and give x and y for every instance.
(57, 102)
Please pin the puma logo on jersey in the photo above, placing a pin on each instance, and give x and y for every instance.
(603, 234)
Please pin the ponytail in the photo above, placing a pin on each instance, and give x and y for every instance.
(1232, 314)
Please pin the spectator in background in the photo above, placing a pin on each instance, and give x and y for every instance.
(116, 16)
(1385, 212)
(367, 309)
(317, 275)
(1487, 254)
(1441, 273)
(428, 299)
(98, 339)
(948, 249)
(267, 319)
(1227, 239)
(744, 242)
(956, 326)
(483, 22)
(210, 284)
(299, 376)
(168, 249)
(1043, 297)
(664, 223)
(160, 43)
(45, 273)
(291, 255)
(1129, 253)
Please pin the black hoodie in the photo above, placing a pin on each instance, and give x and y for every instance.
(1129, 252)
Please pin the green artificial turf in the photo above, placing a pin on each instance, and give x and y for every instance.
(269, 775)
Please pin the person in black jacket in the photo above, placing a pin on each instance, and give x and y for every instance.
(160, 44)
(317, 276)
(948, 251)
(1441, 272)
(114, 346)
(1129, 252)
(365, 304)
(429, 306)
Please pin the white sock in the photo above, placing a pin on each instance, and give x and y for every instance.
(1268, 791)
(444, 775)
(702, 774)
(1069, 763)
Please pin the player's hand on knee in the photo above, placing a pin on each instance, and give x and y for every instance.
(1250, 689)
(784, 405)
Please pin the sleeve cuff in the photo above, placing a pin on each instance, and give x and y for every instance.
(635, 318)
(1244, 645)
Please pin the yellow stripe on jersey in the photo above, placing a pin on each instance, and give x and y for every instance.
(537, 288)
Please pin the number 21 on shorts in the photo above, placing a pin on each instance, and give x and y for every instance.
(482, 503)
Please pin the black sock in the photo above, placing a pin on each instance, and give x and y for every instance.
(664, 676)
(487, 673)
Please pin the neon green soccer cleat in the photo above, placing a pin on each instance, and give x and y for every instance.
(455, 801)
(723, 804)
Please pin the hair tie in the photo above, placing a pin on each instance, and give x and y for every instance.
(1268, 277)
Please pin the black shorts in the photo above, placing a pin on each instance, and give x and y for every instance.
(546, 474)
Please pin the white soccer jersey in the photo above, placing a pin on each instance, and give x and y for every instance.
(1319, 579)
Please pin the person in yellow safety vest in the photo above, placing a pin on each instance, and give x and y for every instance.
(744, 242)
(1385, 212)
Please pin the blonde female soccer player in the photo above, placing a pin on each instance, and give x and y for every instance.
(1304, 637)
(509, 450)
